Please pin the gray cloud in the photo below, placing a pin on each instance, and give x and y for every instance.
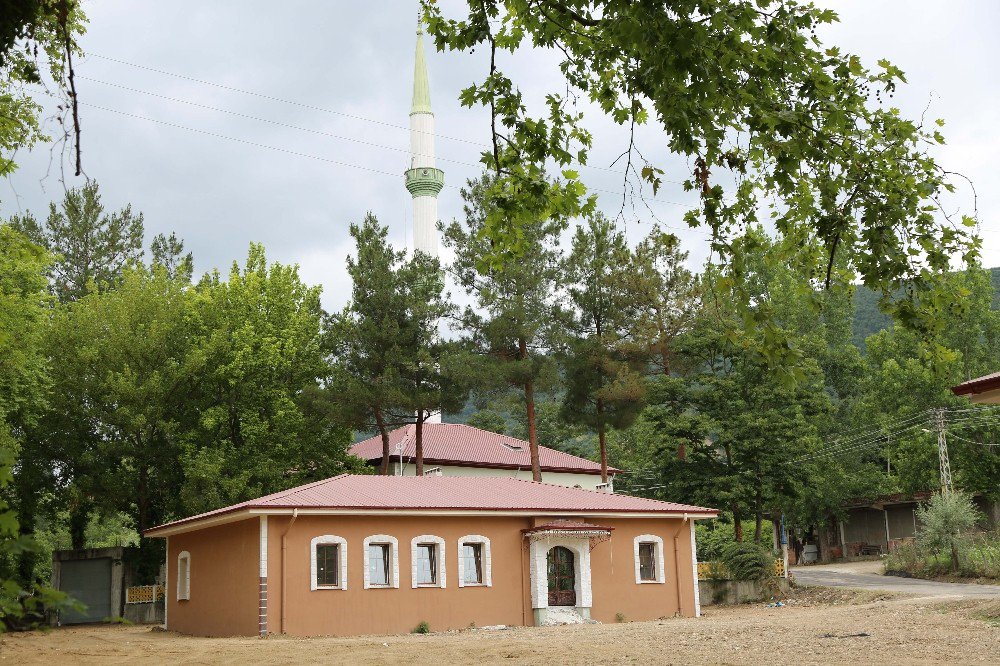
(356, 58)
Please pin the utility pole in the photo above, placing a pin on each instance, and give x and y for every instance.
(943, 451)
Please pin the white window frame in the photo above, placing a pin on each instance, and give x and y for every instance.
(441, 558)
(657, 553)
(328, 540)
(393, 554)
(486, 560)
(184, 581)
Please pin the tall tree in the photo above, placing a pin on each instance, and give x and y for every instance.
(667, 295)
(23, 380)
(602, 365)
(367, 340)
(434, 370)
(260, 343)
(747, 95)
(512, 322)
(92, 247)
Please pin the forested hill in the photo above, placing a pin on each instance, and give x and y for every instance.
(869, 319)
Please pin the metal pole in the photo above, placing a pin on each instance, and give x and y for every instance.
(945, 463)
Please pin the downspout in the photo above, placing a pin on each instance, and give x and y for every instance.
(284, 543)
(677, 567)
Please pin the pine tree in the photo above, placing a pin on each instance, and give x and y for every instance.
(92, 247)
(602, 364)
(512, 322)
(368, 339)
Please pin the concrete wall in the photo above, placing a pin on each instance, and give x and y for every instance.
(224, 580)
(225, 560)
(737, 591)
(588, 481)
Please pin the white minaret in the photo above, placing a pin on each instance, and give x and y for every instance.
(423, 179)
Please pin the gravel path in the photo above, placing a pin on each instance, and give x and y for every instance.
(867, 576)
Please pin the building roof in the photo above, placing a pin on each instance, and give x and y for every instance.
(464, 446)
(386, 494)
(978, 385)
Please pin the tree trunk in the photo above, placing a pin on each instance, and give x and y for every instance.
(682, 453)
(954, 558)
(79, 516)
(529, 401)
(602, 440)
(824, 543)
(380, 422)
(419, 444)
(758, 516)
(737, 524)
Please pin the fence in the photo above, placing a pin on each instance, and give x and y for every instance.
(143, 594)
(717, 570)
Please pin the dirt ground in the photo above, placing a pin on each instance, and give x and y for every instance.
(817, 626)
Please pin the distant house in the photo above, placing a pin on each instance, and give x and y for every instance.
(380, 554)
(453, 449)
(879, 525)
(982, 390)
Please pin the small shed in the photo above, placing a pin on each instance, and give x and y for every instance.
(94, 577)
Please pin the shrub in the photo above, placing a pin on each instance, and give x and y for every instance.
(422, 628)
(748, 560)
(943, 520)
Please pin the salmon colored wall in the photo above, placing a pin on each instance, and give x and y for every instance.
(224, 577)
(378, 611)
(612, 567)
(224, 580)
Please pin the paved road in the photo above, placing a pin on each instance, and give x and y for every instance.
(866, 576)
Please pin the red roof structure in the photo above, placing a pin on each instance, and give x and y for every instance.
(348, 493)
(978, 385)
(462, 445)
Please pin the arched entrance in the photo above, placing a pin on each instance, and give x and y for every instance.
(562, 577)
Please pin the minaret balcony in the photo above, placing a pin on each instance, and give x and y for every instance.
(424, 181)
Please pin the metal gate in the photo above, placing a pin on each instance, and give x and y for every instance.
(89, 582)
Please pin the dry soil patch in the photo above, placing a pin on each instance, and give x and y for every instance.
(810, 630)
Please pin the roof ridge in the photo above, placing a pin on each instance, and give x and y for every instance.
(282, 494)
(601, 492)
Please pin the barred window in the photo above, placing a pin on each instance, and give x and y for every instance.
(647, 561)
(328, 565)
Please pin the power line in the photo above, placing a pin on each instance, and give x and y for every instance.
(315, 157)
(965, 439)
(313, 107)
(243, 141)
(341, 137)
(273, 98)
(867, 438)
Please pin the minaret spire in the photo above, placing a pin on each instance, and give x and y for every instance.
(423, 180)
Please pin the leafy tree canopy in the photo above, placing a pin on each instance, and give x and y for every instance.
(768, 118)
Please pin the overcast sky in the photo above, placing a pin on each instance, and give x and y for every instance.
(323, 138)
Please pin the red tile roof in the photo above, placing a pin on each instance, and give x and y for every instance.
(448, 493)
(978, 385)
(464, 446)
